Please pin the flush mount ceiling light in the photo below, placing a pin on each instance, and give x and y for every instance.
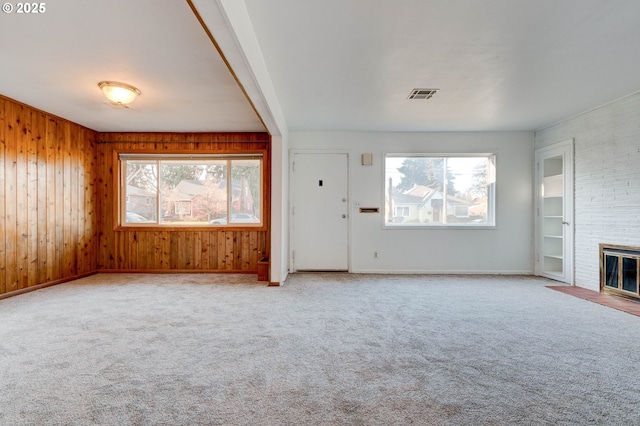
(120, 94)
(422, 93)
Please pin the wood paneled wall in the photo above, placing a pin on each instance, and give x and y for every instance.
(58, 198)
(177, 249)
(48, 198)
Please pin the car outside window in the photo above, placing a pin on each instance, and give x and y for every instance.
(193, 190)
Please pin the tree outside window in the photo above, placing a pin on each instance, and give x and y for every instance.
(193, 191)
(429, 190)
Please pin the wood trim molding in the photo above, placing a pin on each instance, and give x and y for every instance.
(44, 285)
(176, 271)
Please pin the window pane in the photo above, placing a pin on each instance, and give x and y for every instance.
(611, 271)
(245, 191)
(630, 274)
(439, 191)
(193, 192)
(140, 192)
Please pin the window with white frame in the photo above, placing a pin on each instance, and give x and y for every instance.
(191, 190)
(429, 190)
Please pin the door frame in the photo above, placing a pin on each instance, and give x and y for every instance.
(292, 154)
(566, 149)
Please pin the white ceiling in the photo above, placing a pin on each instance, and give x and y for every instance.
(499, 64)
(54, 61)
(334, 64)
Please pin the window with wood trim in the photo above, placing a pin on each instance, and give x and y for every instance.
(191, 190)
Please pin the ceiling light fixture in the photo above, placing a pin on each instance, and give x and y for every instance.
(120, 94)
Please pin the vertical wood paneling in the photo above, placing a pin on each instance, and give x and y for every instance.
(213, 250)
(57, 204)
(81, 201)
(204, 247)
(57, 188)
(33, 239)
(237, 250)
(11, 206)
(244, 254)
(254, 255)
(175, 248)
(144, 250)
(43, 216)
(228, 253)
(3, 190)
(75, 209)
(222, 251)
(107, 238)
(42, 198)
(52, 262)
(23, 138)
(66, 200)
(197, 250)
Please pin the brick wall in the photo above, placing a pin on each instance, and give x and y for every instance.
(607, 180)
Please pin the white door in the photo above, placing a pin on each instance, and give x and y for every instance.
(554, 212)
(319, 212)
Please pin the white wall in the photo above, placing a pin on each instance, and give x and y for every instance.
(507, 249)
(229, 23)
(607, 180)
(279, 268)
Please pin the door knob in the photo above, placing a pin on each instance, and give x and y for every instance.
(564, 222)
(344, 216)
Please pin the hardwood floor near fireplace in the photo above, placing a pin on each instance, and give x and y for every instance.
(610, 300)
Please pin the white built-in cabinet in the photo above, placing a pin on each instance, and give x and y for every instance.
(554, 212)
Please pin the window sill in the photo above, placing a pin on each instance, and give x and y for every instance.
(174, 228)
(439, 227)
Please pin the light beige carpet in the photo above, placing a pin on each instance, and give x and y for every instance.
(324, 349)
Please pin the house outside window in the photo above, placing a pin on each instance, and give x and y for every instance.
(461, 211)
(182, 207)
(402, 211)
(191, 190)
(428, 190)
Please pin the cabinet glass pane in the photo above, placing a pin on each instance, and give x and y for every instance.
(552, 226)
(552, 246)
(553, 206)
(553, 166)
(552, 265)
(553, 186)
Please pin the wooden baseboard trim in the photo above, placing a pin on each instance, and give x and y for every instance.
(128, 271)
(630, 306)
(44, 285)
(173, 271)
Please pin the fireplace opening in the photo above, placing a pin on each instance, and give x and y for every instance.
(619, 270)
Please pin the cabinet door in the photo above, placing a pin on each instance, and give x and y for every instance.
(554, 212)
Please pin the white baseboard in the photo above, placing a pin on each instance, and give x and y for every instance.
(441, 272)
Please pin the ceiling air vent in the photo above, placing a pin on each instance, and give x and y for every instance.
(422, 93)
